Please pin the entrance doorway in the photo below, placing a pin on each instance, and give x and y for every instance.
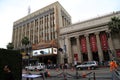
(106, 55)
(48, 59)
(85, 57)
(95, 56)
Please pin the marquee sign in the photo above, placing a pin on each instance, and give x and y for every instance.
(44, 51)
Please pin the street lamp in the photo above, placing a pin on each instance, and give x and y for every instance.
(65, 55)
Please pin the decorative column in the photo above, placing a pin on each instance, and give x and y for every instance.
(88, 48)
(49, 25)
(29, 30)
(43, 26)
(70, 55)
(100, 52)
(110, 45)
(79, 49)
(38, 30)
(33, 31)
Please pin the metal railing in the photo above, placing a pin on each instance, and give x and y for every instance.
(116, 75)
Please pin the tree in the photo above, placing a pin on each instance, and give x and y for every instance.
(25, 41)
(10, 46)
(114, 25)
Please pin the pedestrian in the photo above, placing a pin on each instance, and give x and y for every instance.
(113, 65)
(8, 73)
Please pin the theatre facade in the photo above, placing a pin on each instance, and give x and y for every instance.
(42, 30)
(90, 40)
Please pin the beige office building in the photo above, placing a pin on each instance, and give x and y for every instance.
(90, 40)
(42, 29)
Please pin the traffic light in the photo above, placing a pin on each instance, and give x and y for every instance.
(60, 49)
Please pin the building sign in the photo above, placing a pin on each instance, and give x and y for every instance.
(93, 43)
(44, 51)
(104, 44)
(83, 45)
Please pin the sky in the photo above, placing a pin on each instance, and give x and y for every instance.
(80, 10)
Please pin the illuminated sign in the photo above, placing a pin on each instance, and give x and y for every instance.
(44, 51)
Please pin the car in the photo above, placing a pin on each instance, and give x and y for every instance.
(88, 65)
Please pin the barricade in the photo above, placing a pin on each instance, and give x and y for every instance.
(116, 75)
(66, 75)
(86, 75)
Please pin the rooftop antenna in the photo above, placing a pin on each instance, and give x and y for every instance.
(29, 9)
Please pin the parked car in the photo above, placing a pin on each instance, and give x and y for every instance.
(39, 66)
(88, 65)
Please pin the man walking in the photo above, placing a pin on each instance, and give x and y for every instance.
(113, 67)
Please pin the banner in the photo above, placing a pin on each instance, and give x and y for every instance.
(104, 43)
(83, 44)
(93, 43)
(118, 52)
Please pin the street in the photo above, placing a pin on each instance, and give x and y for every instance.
(70, 74)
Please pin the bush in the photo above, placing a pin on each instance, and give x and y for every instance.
(14, 59)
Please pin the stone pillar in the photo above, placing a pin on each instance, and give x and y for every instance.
(79, 49)
(38, 30)
(110, 45)
(70, 55)
(88, 48)
(33, 31)
(43, 26)
(49, 31)
(100, 52)
(29, 30)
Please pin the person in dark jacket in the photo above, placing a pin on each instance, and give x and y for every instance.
(8, 73)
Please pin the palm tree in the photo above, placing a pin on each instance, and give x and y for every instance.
(114, 25)
(10, 46)
(25, 42)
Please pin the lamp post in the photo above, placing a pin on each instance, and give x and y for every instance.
(65, 55)
(65, 58)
